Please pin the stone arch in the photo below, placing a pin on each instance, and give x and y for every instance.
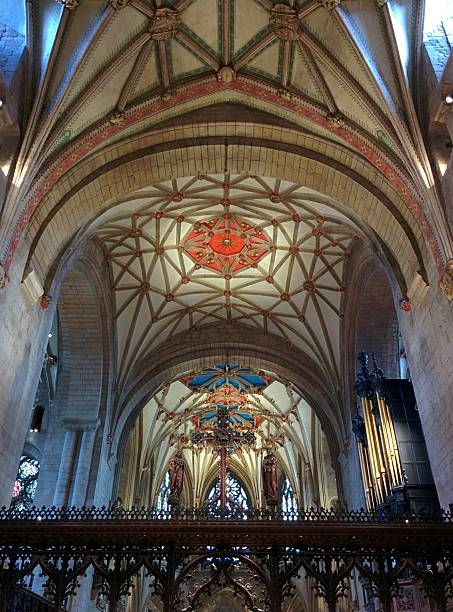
(370, 316)
(269, 353)
(92, 187)
(83, 387)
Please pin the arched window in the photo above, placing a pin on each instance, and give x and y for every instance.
(237, 502)
(288, 499)
(163, 493)
(25, 485)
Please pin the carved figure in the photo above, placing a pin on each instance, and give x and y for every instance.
(176, 478)
(164, 24)
(226, 75)
(284, 22)
(269, 470)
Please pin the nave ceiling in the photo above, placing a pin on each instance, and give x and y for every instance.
(108, 71)
(228, 249)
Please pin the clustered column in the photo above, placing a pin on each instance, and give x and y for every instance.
(75, 466)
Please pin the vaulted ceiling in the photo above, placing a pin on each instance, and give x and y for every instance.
(279, 417)
(236, 249)
(105, 61)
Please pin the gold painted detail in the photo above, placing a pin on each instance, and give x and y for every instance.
(116, 118)
(284, 22)
(446, 281)
(226, 75)
(167, 94)
(284, 94)
(335, 120)
(330, 5)
(164, 24)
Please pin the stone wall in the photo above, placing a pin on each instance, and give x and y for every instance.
(23, 331)
(428, 337)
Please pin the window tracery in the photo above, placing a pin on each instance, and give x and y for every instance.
(238, 502)
(162, 503)
(288, 498)
(25, 485)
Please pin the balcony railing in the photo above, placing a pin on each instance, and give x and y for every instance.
(325, 545)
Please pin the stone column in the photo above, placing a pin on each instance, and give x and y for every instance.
(82, 471)
(65, 469)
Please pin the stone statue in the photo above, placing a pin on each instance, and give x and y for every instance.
(269, 471)
(176, 478)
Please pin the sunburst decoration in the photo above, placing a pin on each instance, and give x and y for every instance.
(227, 249)
(226, 244)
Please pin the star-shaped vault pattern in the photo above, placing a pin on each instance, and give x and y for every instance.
(229, 249)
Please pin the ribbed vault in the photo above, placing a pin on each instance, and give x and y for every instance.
(277, 413)
(237, 249)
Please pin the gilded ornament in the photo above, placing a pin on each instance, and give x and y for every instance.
(116, 118)
(329, 4)
(446, 280)
(164, 24)
(118, 4)
(226, 75)
(167, 94)
(284, 94)
(3, 276)
(284, 22)
(335, 120)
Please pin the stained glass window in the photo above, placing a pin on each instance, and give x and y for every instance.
(289, 501)
(25, 486)
(163, 493)
(237, 502)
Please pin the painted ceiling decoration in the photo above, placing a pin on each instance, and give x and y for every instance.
(234, 249)
(227, 375)
(119, 67)
(277, 415)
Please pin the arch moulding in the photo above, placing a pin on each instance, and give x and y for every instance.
(245, 346)
(90, 188)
